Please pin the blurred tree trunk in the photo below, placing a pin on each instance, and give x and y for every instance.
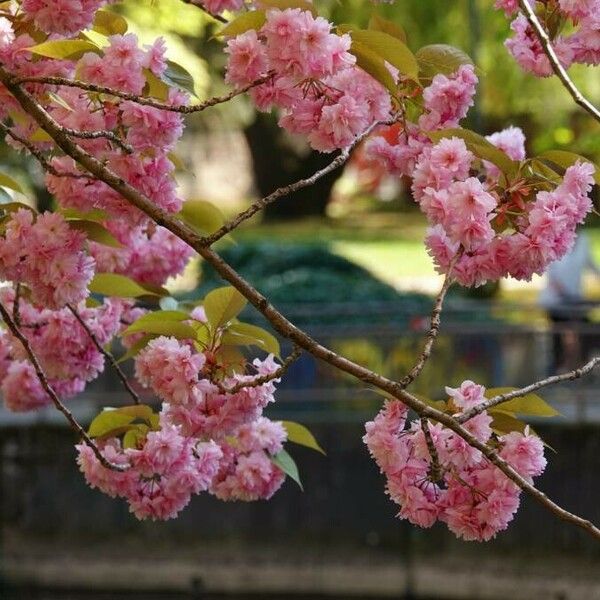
(279, 160)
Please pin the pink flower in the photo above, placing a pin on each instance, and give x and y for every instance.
(247, 59)
(170, 368)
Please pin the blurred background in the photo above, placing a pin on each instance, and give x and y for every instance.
(345, 260)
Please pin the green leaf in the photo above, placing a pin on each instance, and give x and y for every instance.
(137, 411)
(15, 206)
(389, 48)
(40, 135)
(378, 23)
(155, 87)
(92, 215)
(286, 463)
(283, 4)
(163, 322)
(60, 101)
(134, 436)
(374, 65)
(253, 19)
(107, 22)
(299, 434)
(530, 404)
(201, 215)
(440, 58)
(63, 49)
(177, 76)
(8, 182)
(177, 161)
(107, 422)
(111, 284)
(481, 147)
(222, 305)
(244, 334)
(565, 159)
(136, 348)
(503, 423)
(95, 232)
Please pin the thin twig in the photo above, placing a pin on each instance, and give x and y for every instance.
(496, 400)
(40, 155)
(17, 305)
(94, 135)
(432, 334)
(258, 381)
(277, 320)
(557, 67)
(260, 204)
(178, 108)
(435, 471)
(53, 396)
(197, 4)
(107, 355)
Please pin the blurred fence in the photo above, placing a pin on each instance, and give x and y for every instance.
(344, 506)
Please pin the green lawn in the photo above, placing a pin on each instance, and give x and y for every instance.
(388, 245)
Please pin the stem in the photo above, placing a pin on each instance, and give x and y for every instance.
(570, 376)
(258, 381)
(101, 89)
(436, 317)
(277, 320)
(106, 354)
(50, 391)
(258, 205)
(557, 67)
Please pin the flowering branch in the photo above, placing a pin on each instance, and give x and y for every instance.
(52, 394)
(258, 381)
(277, 319)
(94, 135)
(178, 108)
(106, 354)
(496, 400)
(557, 67)
(39, 155)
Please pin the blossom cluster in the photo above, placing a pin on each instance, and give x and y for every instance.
(209, 437)
(435, 475)
(576, 41)
(147, 252)
(63, 347)
(48, 256)
(312, 78)
(480, 229)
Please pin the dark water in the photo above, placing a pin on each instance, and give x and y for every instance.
(57, 594)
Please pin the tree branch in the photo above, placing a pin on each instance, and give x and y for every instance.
(258, 381)
(219, 18)
(432, 334)
(557, 67)
(277, 320)
(40, 155)
(106, 354)
(101, 89)
(50, 391)
(570, 376)
(258, 205)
